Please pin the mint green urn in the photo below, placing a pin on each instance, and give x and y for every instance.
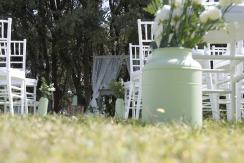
(171, 87)
(42, 106)
(119, 108)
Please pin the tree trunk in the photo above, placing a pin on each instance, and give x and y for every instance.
(79, 90)
(88, 52)
(55, 77)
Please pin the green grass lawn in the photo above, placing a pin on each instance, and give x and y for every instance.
(57, 139)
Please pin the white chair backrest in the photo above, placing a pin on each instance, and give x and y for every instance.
(145, 32)
(145, 38)
(17, 54)
(3, 54)
(5, 29)
(215, 50)
(135, 59)
(5, 38)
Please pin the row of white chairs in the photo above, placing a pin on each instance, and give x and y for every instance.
(17, 93)
(217, 66)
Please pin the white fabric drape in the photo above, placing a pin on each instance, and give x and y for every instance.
(105, 69)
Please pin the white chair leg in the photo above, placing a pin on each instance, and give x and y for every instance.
(5, 104)
(5, 108)
(22, 99)
(10, 95)
(138, 103)
(129, 101)
(238, 100)
(26, 107)
(228, 108)
(215, 106)
(134, 102)
(34, 108)
(34, 105)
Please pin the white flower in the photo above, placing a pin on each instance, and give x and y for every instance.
(162, 14)
(155, 27)
(177, 12)
(157, 30)
(158, 40)
(214, 13)
(204, 17)
(51, 89)
(211, 13)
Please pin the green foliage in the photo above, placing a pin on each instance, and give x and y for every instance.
(122, 23)
(118, 88)
(62, 37)
(46, 89)
(153, 7)
(186, 22)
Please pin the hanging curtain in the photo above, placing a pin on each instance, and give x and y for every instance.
(105, 69)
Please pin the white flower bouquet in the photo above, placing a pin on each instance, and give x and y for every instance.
(183, 23)
(46, 89)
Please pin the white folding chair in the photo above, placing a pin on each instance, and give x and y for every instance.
(31, 85)
(132, 87)
(12, 70)
(145, 32)
(211, 92)
(133, 90)
(6, 72)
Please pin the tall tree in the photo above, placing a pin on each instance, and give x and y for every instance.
(123, 23)
(61, 40)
